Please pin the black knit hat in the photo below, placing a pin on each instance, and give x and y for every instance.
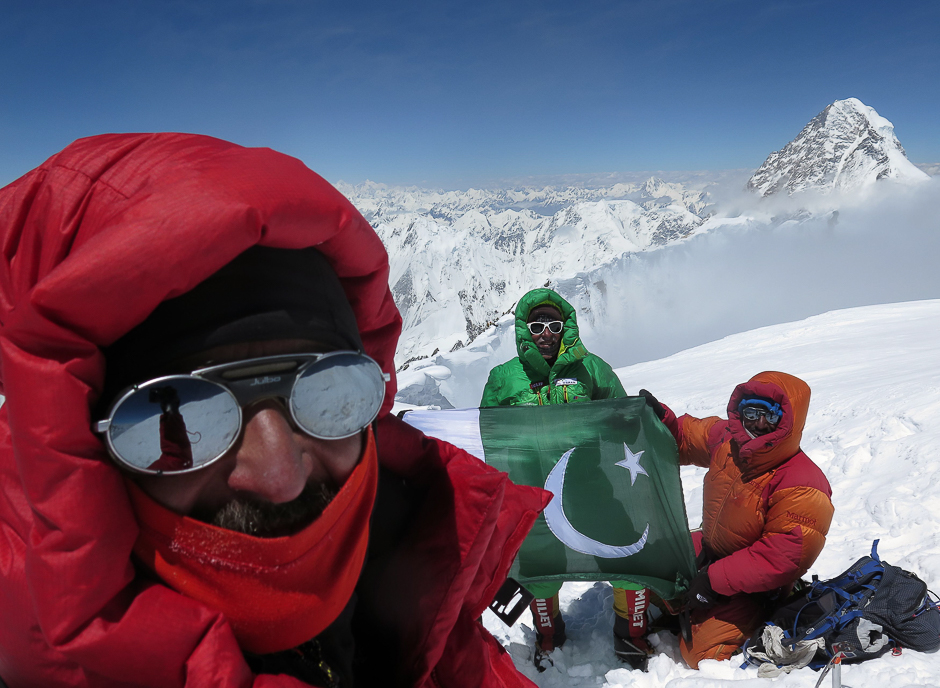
(264, 294)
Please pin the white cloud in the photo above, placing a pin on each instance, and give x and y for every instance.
(884, 248)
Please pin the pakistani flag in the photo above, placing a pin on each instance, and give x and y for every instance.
(618, 512)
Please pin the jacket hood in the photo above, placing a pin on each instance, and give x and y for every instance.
(92, 241)
(761, 454)
(571, 347)
(101, 233)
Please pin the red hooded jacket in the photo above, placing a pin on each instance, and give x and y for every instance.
(767, 506)
(91, 242)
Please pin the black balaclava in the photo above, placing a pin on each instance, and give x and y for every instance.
(263, 294)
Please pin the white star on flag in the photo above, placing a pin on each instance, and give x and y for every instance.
(632, 463)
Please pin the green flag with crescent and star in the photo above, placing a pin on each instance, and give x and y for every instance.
(618, 512)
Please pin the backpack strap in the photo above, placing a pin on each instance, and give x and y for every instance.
(837, 619)
(871, 570)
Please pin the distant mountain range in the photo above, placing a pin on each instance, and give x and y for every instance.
(461, 259)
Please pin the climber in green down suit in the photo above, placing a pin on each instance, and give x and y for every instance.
(554, 367)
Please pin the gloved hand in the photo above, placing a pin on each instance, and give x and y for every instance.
(700, 594)
(654, 404)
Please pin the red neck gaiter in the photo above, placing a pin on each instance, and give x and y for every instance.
(276, 592)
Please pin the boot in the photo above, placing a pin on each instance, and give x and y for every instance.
(631, 627)
(549, 630)
(634, 651)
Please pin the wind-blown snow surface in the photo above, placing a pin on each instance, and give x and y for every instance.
(874, 429)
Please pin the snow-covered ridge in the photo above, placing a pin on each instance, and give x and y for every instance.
(846, 146)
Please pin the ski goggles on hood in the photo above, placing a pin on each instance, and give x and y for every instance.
(752, 409)
(181, 423)
(537, 328)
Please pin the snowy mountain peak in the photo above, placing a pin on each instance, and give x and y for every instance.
(846, 146)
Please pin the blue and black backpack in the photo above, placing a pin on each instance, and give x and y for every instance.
(866, 611)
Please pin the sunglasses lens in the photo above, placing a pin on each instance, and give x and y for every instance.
(555, 326)
(338, 395)
(174, 424)
(752, 413)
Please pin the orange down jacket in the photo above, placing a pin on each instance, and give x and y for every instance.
(90, 243)
(767, 506)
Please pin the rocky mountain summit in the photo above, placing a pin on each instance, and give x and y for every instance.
(846, 146)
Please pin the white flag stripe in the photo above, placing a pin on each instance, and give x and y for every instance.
(460, 427)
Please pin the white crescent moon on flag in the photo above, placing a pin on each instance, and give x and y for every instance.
(567, 533)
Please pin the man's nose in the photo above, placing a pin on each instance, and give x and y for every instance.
(270, 463)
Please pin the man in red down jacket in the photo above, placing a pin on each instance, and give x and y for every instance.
(766, 509)
(130, 257)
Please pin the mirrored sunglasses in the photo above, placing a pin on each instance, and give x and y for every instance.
(555, 326)
(181, 423)
(752, 413)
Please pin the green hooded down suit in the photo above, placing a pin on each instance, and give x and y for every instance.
(528, 380)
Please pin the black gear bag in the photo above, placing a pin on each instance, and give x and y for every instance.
(869, 609)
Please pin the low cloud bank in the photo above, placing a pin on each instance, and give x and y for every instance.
(777, 266)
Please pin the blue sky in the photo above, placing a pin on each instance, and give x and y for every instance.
(457, 93)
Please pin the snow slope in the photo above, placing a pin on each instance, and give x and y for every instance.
(873, 427)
